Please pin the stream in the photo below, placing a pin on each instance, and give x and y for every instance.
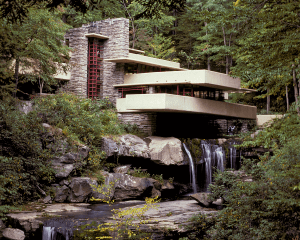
(62, 227)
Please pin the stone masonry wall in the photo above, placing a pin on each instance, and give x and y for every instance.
(116, 46)
(79, 43)
(146, 122)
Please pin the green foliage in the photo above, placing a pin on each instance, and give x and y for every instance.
(36, 47)
(82, 120)
(269, 206)
(23, 162)
(126, 225)
(138, 172)
(194, 146)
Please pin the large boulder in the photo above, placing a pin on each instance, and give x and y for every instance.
(129, 187)
(66, 163)
(13, 234)
(80, 189)
(104, 192)
(61, 194)
(25, 221)
(202, 199)
(166, 151)
(122, 186)
(126, 145)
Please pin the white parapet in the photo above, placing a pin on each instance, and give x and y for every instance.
(162, 102)
(203, 78)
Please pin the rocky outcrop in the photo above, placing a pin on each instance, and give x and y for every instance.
(67, 158)
(25, 221)
(166, 151)
(202, 199)
(129, 187)
(13, 234)
(126, 145)
(65, 164)
(61, 194)
(117, 186)
(80, 190)
(172, 215)
(162, 150)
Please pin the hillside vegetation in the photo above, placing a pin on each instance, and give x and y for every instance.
(268, 207)
(24, 157)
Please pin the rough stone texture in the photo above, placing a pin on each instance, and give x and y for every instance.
(238, 126)
(25, 221)
(166, 151)
(2, 225)
(63, 170)
(61, 194)
(146, 122)
(81, 190)
(25, 106)
(122, 169)
(115, 47)
(79, 43)
(202, 199)
(13, 234)
(65, 164)
(129, 187)
(126, 145)
(67, 207)
(172, 215)
(47, 199)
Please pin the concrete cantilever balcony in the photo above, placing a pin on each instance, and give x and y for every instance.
(204, 78)
(162, 102)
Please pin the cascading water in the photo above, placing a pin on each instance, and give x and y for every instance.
(192, 169)
(220, 156)
(232, 157)
(49, 233)
(207, 157)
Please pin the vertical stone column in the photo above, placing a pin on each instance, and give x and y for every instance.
(117, 46)
(79, 43)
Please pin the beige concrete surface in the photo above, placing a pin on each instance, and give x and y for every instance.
(196, 77)
(155, 62)
(132, 50)
(262, 119)
(162, 102)
(95, 35)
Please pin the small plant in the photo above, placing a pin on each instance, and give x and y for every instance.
(137, 172)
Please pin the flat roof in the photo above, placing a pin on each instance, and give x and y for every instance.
(149, 61)
(95, 35)
(132, 50)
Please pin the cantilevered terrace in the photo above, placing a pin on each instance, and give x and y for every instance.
(193, 91)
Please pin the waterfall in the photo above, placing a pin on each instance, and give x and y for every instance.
(220, 155)
(49, 233)
(57, 231)
(232, 157)
(207, 156)
(192, 169)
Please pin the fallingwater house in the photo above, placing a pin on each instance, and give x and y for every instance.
(157, 95)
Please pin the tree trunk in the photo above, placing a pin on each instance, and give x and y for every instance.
(268, 101)
(287, 98)
(41, 83)
(16, 76)
(227, 64)
(295, 88)
(208, 60)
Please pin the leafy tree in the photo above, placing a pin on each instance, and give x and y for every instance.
(36, 47)
(267, 52)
